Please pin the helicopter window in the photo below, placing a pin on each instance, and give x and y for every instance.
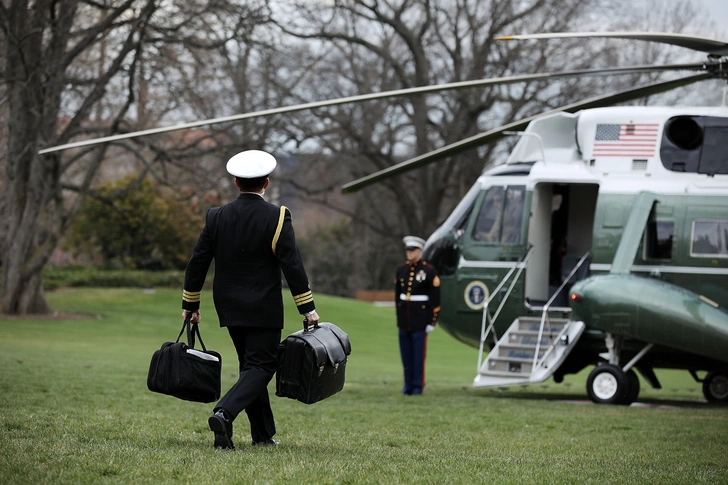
(709, 238)
(487, 227)
(658, 239)
(459, 228)
(713, 159)
(513, 214)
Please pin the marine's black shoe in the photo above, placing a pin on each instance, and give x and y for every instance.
(223, 429)
(268, 442)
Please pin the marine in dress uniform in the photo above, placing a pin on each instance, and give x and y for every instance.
(417, 299)
(251, 241)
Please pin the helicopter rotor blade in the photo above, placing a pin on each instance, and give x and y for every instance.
(709, 46)
(496, 134)
(380, 95)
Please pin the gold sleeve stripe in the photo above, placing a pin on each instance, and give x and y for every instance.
(281, 217)
(302, 296)
(303, 302)
(192, 298)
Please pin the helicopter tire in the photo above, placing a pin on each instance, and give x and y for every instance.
(634, 387)
(607, 384)
(715, 386)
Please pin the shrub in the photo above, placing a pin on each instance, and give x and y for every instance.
(146, 226)
(328, 256)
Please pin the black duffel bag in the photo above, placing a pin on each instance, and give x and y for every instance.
(178, 369)
(312, 363)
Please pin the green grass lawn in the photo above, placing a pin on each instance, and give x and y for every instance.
(74, 408)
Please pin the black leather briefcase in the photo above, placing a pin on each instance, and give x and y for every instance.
(178, 369)
(312, 363)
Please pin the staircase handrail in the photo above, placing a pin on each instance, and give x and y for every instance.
(520, 264)
(545, 318)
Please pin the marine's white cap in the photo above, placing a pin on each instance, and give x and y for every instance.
(413, 242)
(251, 164)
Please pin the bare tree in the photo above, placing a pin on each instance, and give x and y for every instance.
(371, 46)
(378, 46)
(80, 68)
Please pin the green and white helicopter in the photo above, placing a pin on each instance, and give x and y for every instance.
(601, 240)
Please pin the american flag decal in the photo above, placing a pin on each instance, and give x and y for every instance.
(626, 140)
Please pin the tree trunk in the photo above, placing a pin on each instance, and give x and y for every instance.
(32, 202)
(22, 295)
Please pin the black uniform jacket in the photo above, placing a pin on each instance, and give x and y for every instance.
(416, 295)
(251, 241)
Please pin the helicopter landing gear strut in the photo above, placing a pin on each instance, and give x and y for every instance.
(609, 383)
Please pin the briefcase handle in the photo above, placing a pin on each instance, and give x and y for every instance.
(305, 325)
(192, 330)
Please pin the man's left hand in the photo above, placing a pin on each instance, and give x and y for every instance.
(429, 328)
(313, 318)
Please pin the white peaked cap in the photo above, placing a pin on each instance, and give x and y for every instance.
(251, 164)
(413, 242)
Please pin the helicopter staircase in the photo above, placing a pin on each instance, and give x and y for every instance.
(532, 348)
(529, 352)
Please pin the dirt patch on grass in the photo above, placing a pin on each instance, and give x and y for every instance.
(48, 316)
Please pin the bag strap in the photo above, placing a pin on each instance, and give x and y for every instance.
(196, 330)
(184, 326)
(192, 330)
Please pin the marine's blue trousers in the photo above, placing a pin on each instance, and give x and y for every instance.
(412, 347)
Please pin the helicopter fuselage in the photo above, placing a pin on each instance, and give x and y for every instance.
(569, 190)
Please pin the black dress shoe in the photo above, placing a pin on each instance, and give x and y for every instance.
(223, 429)
(268, 442)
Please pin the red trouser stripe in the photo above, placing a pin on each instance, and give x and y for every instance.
(424, 354)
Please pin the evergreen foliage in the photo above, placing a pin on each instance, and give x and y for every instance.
(148, 227)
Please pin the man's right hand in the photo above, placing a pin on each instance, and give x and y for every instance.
(195, 316)
(313, 318)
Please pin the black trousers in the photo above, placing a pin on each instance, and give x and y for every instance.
(257, 349)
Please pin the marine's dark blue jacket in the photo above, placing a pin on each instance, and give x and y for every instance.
(416, 295)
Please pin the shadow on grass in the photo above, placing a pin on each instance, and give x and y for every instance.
(576, 399)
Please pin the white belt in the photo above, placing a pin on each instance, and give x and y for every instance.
(402, 296)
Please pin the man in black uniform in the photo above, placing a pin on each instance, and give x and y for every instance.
(417, 298)
(251, 242)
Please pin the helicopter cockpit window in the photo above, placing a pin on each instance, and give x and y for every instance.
(501, 215)
(658, 240)
(710, 238)
(458, 229)
(487, 227)
(513, 215)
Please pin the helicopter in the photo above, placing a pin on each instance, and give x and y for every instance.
(601, 240)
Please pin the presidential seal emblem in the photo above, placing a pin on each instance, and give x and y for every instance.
(475, 295)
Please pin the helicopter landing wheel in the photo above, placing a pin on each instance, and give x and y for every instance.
(608, 384)
(715, 386)
(634, 387)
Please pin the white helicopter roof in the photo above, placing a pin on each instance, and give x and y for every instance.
(617, 148)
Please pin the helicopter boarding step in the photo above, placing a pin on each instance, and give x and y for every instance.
(512, 359)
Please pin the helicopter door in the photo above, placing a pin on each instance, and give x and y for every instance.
(494, 239)
(560, 231)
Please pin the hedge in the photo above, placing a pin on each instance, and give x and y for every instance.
(89, 276)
